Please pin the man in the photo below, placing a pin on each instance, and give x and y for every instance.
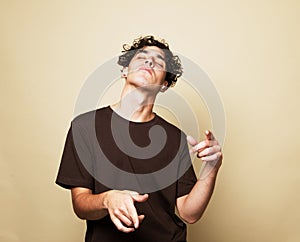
(118, 210)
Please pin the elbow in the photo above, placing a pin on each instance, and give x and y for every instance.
(78, 213)
(77, 210)
(190, 219)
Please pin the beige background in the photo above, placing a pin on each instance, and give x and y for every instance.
(249, 48)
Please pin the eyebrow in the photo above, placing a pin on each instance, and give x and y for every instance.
(147, 52)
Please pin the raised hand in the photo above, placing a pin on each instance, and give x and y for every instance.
(208, 151)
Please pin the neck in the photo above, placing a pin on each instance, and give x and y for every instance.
(135, 104)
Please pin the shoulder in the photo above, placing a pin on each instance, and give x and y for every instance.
(88, 118)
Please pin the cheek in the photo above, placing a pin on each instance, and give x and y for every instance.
(161, 74)
(134, 66)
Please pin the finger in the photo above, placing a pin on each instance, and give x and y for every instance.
(141, 217)
(122, 215)
(132, 213)
(204, 144)
(191, 140)
(209, 135)
(198, 147)
(119, 224)
(214, 157)
(209, 151)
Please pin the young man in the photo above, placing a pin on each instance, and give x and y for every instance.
(119, 210)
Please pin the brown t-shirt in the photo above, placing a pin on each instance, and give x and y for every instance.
(104, 151)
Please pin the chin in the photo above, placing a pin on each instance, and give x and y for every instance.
(140, 81)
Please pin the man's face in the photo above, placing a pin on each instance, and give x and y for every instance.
(147, 67)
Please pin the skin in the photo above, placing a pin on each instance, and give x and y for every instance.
(145, 77)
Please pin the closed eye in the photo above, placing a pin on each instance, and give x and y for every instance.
(159, 62)
(141, 56)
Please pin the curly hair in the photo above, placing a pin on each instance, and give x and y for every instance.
(173, 63)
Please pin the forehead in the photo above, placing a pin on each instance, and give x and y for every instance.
(153, 50)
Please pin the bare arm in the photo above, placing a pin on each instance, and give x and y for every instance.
(192, 206)
(87, 205)
(118, 204)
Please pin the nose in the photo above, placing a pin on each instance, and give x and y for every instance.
(149, 62)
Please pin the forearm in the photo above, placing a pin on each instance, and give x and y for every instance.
(89, 206)
(192, 206)
(195, 203)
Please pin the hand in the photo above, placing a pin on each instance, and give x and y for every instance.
(120, 205)
(208, 151)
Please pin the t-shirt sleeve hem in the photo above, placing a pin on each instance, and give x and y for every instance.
(71, 183)
(184, 192)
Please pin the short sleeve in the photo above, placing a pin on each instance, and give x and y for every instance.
(187, 181)
(72, 172)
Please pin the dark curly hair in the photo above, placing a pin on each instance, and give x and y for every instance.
(173, 64)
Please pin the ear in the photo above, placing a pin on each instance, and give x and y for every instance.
(124, 72)
(164, 87)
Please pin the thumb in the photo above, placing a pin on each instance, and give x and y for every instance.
(191, 140)
(140, 198)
